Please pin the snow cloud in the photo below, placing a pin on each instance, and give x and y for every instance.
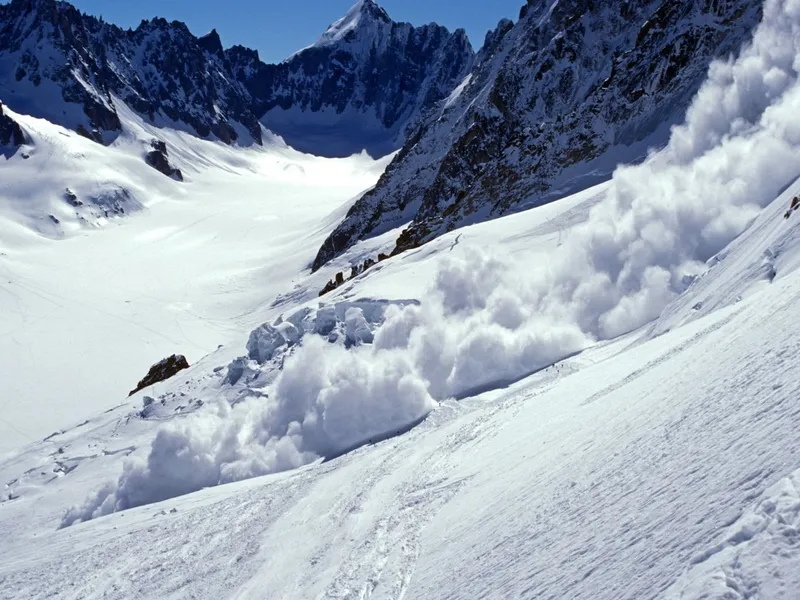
(737, 150)
(488, 321)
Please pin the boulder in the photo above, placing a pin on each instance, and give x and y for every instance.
(72, 198)
(158, 159)
(161, 371)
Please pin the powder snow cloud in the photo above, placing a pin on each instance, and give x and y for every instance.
(483, 324)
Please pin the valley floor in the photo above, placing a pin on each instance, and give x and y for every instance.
(200, 264)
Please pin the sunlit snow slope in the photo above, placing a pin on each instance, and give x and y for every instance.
(91, 304)
(645, 467)
(594, 399)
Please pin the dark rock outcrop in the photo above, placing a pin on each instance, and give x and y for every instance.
(793, 206)
(11, 133)
(158, 159)
(162, 371)
(553, 103)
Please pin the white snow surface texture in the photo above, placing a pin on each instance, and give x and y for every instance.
(612, 417)
(483, 325)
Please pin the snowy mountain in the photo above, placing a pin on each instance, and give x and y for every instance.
(552, 105)
(592, 399)
(364, 85)
(75, 70)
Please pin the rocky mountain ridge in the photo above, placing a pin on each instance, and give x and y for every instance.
(552, 105)
(72, 69)
(367, 80)
(11, 133)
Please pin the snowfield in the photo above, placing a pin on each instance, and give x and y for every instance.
(92, 303)
(592, 399)
(641, 468)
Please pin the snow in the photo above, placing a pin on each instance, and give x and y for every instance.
(265, 340)
(365, 13)
(629, 464)
(456, 93)
(755, 552)
(591, 399)
(343, 26)
(194, 265)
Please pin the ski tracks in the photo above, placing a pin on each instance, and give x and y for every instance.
(403, 492)
(402, 497)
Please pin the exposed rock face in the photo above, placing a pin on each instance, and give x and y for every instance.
(74, 70)
(158, 159)
(11, 133)
(162, 371)
(551, 106)
(361, 86)
(159, 69)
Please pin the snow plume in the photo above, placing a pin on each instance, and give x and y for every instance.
(479, 329)
(737, 150)
(488, 321)
(482, 326)
(326, 400)
(644, 244)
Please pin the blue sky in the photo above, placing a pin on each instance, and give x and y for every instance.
(277, 28)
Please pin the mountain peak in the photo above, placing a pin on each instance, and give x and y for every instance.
(362, 13)
(211, 43)
(371, 8)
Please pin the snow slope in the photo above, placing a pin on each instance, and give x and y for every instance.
(89, 305)
(592, 399)
(645, 467)
(554, 103)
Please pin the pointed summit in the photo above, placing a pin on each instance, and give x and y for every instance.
(211, 43)
(371, 9)
(362, 14)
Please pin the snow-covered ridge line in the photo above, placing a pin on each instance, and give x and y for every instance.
(60, 64)
(362, 9)
(553, 104)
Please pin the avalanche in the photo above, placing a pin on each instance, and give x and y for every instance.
(592, 399)
(481, 326)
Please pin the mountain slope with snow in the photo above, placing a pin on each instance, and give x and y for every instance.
(649, 466)
(553, 104)
(102, 254)
(366, 81)
(594, 398)
(70, 68)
